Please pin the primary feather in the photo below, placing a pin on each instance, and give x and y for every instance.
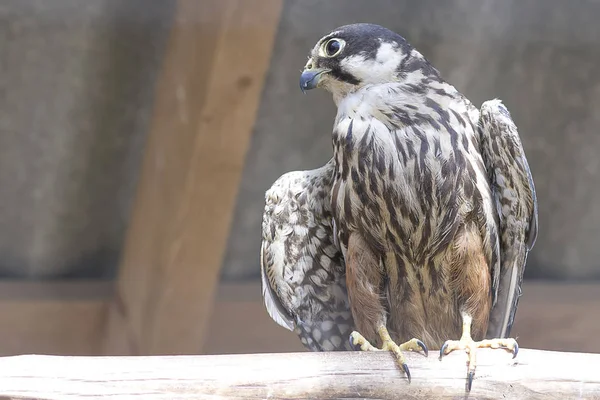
(516, 204)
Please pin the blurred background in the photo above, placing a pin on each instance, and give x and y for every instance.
(137, 139)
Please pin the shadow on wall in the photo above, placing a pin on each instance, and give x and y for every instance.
(540, 57)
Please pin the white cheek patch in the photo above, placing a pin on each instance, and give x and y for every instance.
(381, 69)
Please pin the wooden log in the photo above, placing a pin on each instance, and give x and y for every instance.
(534, 374)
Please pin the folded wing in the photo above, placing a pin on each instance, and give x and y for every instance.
(516, 204)
(302, 268)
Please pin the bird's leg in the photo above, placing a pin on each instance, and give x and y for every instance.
(470, 346)
(364, 276)
(358, 340)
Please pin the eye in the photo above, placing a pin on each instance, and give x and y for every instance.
(333, 47)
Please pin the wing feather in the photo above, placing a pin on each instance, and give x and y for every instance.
(272, 303)
(516, 204)
(302, 269)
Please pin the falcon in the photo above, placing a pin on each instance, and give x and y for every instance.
(302, 269)
(432, 198)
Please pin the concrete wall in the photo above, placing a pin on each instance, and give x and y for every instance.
(540, 56)
(77, 80)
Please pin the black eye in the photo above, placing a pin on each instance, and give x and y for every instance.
(332, 47)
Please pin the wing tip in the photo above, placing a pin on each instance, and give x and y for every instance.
(273, 306)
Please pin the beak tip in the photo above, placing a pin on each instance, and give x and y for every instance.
(309, 79)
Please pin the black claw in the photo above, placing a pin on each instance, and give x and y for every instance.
(443, 349)
(406, 371)
(470, 380)
(353, 345)
(422, 345)
(516, 350)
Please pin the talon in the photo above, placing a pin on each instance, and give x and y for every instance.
(470, 380)
(422, 345)
(444, 347)
(406, 371)
(389, 345)
(467, 344)
(352, 345)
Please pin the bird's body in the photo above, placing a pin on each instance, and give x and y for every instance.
(412, 189)
(433, 199)
(302, 268)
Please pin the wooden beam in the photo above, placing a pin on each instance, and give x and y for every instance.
(63, 318)
(206, 103)
(78, 290)
(68, 318)
(551, 316)
(60, 327)
(534, 374)
(233, 314)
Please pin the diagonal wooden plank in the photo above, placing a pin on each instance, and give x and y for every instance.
(206, 104)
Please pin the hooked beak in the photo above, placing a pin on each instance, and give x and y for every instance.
(310, 78)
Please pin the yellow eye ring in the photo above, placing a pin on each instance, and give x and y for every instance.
(332, 47)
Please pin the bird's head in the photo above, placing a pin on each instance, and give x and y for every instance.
(356, 55)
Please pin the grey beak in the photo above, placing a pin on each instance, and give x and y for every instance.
(310, 79)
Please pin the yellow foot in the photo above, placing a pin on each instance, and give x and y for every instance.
(358, 341)
(470, 347)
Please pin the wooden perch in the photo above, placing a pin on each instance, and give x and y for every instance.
(534, 374)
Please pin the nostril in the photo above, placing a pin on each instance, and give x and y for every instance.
(309, 65)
